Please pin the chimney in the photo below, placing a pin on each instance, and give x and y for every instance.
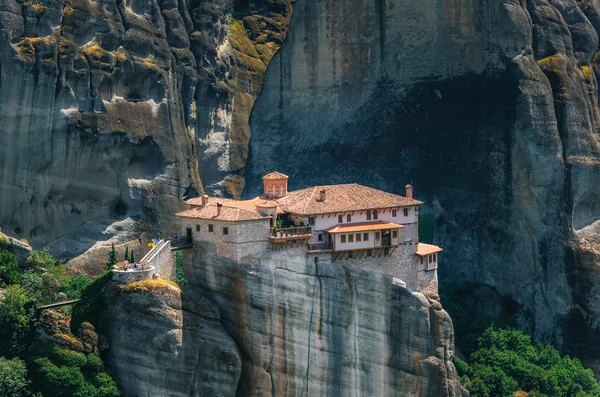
(322, 195)
(219, 205)
(204, 200)
(409, 191)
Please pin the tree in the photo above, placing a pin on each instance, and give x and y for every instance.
(132, 259)
(17, 310)
(40, 259)
(126, 257)
(9, 268)
(43, 287)
(180, 276)
(507, 360)
(13, 378)
(112, 258)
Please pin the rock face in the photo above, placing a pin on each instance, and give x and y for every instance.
(490, 109)
(105, 106)
(164, 343)
(326, 330)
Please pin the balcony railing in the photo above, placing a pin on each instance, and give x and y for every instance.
(291, 232)
(182, 242)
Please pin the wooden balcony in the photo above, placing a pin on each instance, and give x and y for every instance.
(290, 233)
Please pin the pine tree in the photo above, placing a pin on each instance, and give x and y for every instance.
(126, 254)
(132, 257)
(112, 258)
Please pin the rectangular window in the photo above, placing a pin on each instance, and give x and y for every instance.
(348, 218)
(210, 228)
(311, 220)
(365, 236)
(421, 260)
(394, 234)
(374, 214)
(358, 237)
(377, 234)
(320, 237)
(351, 238)
(340, 218)
(197, 228)
(343, 238)
(394, 213)
(368, 215)
(406, 212)
(435, 257)
(225, 230)
(430, 258)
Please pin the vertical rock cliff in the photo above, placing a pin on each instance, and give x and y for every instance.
(490, 109)
(297, 329)
(109, 108)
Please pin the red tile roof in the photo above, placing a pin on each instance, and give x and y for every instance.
(426, 249)
(363, 227)
(341, 198)
(228, 214)
(275, 175)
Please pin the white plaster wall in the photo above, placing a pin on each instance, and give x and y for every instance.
(326, 221)
(339, 246)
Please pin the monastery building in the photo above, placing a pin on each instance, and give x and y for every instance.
(335, 222)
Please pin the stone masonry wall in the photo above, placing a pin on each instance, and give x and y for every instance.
(244, 239)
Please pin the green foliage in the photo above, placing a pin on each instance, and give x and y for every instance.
(9, 268)
(41, 259)
(93, 302)
(112, 258)
(181, 277)
(132, 258)
(41, 287)
(13, 378)
(126, 256)
(17, 313)
(59, 372)
(4, 242)
(75, 286)
(44, 285)
(507, 360)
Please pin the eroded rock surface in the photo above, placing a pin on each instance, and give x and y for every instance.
(109, 107)
(164, 343)
(489, 108)
(326, 330)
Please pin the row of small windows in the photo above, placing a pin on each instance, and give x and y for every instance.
(431, 258)
(371, 215)
(211, 228)
(359, 237)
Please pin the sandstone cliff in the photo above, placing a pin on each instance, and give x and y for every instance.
(109, 107)
(315, 331)
(490, 109)
(163, 343)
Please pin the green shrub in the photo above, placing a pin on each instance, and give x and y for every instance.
(17, 311)
(57, 372)
(507, 360)
(93, 302)
(42, 287)
(9, 268)
(181, 277)
(41, 259)
(4, 242)
(13, 378)
(94, 362)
